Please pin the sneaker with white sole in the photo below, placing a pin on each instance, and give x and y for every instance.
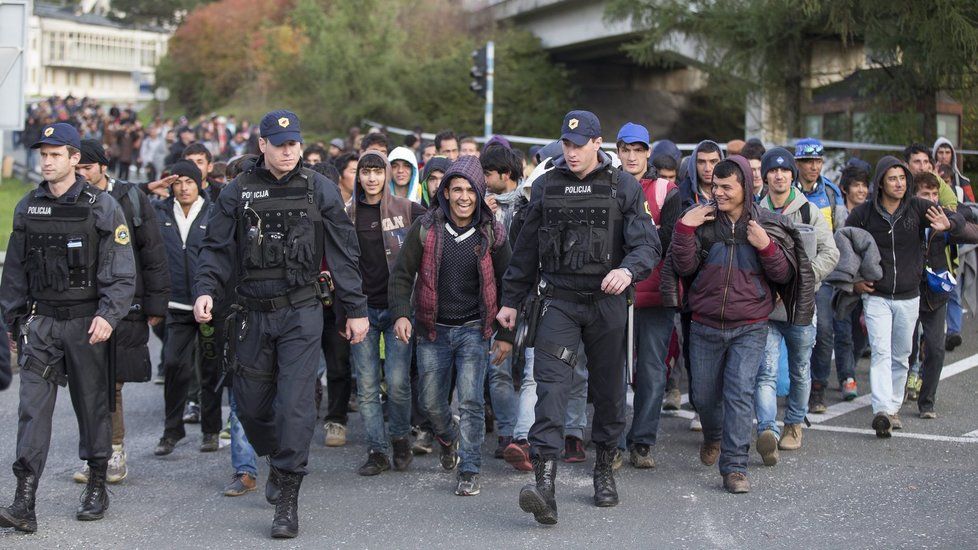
(117, 470)
(81, 476)
(695, 425)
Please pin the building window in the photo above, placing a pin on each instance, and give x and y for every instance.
(948, 126)
(813, 126)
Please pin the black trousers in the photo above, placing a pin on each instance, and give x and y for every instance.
(274, 387)
(182, 340)
(601, 327)
(64, 346)
(930, 335)
(339, 378)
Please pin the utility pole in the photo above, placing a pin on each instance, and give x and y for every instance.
(483, 77)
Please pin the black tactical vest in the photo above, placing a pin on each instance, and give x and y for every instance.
(280, 229)
(581, 231)
(62, 249)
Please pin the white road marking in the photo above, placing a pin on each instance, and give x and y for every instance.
(971, 434)
(909, 435)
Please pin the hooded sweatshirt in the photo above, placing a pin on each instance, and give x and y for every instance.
(733, 283)
(689, 187)
(959, 180)
(900, 236)
(450, 266)
(405, 154)
(434, 163)
(381, 229)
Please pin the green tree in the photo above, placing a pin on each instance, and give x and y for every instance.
(920, 48)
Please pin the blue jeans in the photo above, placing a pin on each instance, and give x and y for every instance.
(849, 345)
(723, 371)
(504, 399)
(653, 327)
(954, 312)
(525, 413)
(365, 358)
(464, 348)
(799, 341)
(890, 324)
(825, 336)
(243, 458)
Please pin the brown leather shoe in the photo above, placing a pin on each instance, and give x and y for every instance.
(241, 484)
(709, 452)
(790, 438)
(736, 483)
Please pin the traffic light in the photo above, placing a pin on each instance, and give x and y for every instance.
(479, 71)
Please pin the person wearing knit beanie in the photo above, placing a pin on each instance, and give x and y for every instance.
(779, 157)
(185, 168)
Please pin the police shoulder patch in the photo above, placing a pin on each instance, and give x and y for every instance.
(122, 235)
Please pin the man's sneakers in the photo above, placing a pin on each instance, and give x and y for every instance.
(952, 341)
(573, 450)
(673, 400)
(165, 446)
(81, 476)
(423, 441)
(816, 401)
(790, 438)
(468, 484)
(402, 453)
(695, 425)
(335, 434)
(191, 413)
(449, 454)
(895, 422)
(913, 388)
(641, 456)
(502, 442)
(709, 452)
(881, 423)
(117, 470)
(849, 389)
(241, 484)
(767, 447)
(736, 483)
(928, 415)
(517, 455)
(209, 443)
(376, 463)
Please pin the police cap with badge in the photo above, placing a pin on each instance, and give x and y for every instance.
(59, 133)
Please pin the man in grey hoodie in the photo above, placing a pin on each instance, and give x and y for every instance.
(778, 170)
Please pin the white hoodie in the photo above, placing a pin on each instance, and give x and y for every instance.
(405, 154)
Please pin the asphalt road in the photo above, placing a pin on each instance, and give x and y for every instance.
(844, 489)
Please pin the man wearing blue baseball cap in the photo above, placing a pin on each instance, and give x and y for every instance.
(68, 279)
(587, 237)
(809, 157)
(283, 221)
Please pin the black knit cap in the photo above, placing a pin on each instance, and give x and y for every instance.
(188, 169)
(92, 152)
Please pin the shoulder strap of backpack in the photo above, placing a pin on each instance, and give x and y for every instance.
(137, 209)
(806, 213)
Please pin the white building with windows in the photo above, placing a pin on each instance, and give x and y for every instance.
(89, 55)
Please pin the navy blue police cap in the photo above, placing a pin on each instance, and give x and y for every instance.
(580, 127)
(59, 133)
(281, 126)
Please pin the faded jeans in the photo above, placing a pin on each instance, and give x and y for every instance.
(799, 340)
(890, 324)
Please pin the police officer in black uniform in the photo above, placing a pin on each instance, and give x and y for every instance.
(587, 237)
(128, 346)
(272, 226)
(68, 279)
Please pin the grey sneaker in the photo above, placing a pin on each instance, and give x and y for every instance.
(81, 476)
(641, 456)
(468, 484)
(673, 400)
(449, 454)
(695, 425)
(423, 441)
(335, 434)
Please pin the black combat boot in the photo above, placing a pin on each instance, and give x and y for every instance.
(286, 523)
(605, 492)
(272, 490)
(538, 499)
(95, 499)
(20, 514)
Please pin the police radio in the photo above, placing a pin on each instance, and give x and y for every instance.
(324, 288)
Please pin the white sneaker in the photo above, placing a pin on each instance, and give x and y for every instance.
(335, 434)
(117, 470)
(694, 424)
(81, 476)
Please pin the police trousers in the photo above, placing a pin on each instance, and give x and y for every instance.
(63, 346)
(275, 381)
(563, 326)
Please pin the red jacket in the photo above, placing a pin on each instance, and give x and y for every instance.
(657, 191)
